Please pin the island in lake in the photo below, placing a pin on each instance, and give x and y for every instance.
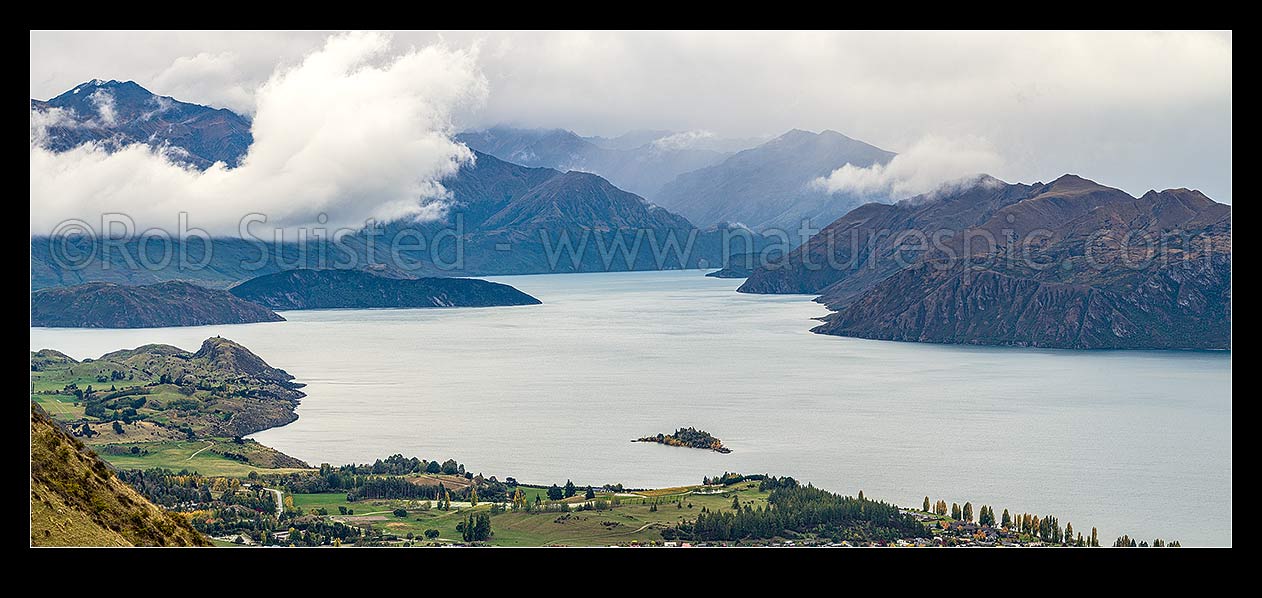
(356, 289)
(174, 303)
(689, 437)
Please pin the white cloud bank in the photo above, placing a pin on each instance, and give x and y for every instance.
(352, 131)
(926, 166)
(214, 78)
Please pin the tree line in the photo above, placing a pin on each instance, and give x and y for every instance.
(795, 509)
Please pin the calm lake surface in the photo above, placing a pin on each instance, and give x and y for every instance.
(1128, 441)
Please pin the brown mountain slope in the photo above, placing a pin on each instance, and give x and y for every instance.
(76, 500)
(1069, 264)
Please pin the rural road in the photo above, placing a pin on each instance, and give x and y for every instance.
(208, 445)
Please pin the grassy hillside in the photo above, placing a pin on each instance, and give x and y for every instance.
(76, 500)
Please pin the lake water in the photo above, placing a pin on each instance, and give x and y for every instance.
(1129, 441)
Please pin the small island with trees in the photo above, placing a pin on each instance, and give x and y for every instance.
(689, 437)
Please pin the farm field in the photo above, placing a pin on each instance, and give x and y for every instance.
(628, 520)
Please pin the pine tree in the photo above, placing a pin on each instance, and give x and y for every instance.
(955, 511)
(736, 503)
(926, 507)
(1007, 519)
(968, 512)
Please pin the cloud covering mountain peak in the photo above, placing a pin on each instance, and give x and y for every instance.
(353, 131)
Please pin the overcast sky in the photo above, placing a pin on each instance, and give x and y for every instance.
(1135, 110)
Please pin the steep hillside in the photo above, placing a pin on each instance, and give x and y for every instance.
(1069, 264)
(76, 500)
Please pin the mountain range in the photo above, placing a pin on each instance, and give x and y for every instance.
(1067, 264)
(772, 186)
(640, 162)
(764, 185)
(522, 220)
(506, 218)
(119, 113)
(535, 201)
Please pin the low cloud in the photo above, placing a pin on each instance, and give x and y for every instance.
(209, 78)
(926, 166)
(351, 132)
(680, 141)
(42, 120)
(105, 108)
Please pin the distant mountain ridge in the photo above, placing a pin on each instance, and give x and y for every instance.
(120, 113)
(1053, 271)
(632, 162)
(771, 186)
